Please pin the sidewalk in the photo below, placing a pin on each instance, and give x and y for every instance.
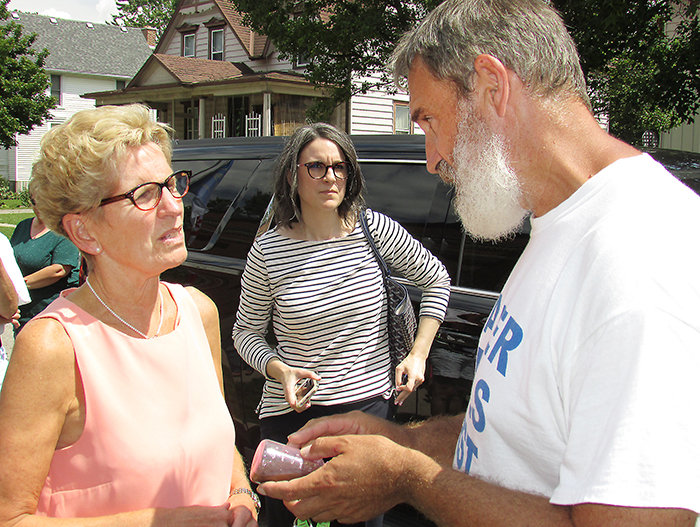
(8, 339)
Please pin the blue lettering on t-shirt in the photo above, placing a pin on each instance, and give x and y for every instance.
(466, 451)
(505, 336)
(482, 393)
(510, 338)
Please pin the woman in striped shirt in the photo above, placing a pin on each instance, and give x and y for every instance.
(315, 277)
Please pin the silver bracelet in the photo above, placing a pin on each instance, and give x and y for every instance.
(253, 496)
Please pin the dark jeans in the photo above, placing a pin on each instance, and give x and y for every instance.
(279, 427)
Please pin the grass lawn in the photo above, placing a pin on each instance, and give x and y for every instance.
(12, 219)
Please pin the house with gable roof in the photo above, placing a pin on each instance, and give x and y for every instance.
(83, 57)
(211, 76)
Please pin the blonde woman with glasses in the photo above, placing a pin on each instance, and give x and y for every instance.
(112, 411)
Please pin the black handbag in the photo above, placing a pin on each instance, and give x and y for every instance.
(401, 317)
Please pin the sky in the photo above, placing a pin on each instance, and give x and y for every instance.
(89, 10)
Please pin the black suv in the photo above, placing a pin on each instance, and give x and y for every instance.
(226, 207)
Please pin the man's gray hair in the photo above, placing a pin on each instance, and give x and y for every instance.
(527, 36)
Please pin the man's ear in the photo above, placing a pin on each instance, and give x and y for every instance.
(492, 83)
(78, 231)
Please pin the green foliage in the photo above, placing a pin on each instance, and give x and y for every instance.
(344, 40)
(18, 199)
(640, 74)
(25, 198)
(643, 76)
(145, 13)
(24, 102)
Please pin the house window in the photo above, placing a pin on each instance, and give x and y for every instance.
(216, 44)
(121, 85)
(191, 120)
(302, 61)
(402, 119)
(188, 45)
(56, 88)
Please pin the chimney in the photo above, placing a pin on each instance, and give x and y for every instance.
(149, 34)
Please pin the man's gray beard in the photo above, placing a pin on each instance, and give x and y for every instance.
(487, 190)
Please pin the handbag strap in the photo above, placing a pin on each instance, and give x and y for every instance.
(365, 228)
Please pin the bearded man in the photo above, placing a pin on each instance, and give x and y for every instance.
(583, 409)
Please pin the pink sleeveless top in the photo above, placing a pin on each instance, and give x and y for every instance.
(157, 430)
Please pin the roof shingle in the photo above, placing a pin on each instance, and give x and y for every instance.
(75, 47)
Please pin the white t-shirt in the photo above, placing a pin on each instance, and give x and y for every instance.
(7, 257)
(587, 373)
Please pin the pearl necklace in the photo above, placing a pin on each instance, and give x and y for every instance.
(120, 319)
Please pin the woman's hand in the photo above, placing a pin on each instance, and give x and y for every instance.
(244, 513)
(412, 369)
(410, 374)
(288, 377)
(14, 319)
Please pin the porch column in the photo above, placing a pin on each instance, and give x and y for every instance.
(202, 117)
(267, 114)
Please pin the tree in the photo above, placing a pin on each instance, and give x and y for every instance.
(24, 101)
(640, 75)
(145, 13)
(347, 42)
(641, 59)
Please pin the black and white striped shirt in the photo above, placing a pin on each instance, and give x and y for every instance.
(327, 303)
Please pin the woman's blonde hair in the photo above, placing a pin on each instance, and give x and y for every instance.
(77, 165)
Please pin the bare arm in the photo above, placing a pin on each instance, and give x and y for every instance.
(47, 276)
(288, 377)
(369, 474)
(8, 295)
(41, 409)
(413, 366)
(419, 436)
(242, 505)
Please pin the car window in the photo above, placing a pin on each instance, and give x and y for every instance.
(402, 190)
(225, 203)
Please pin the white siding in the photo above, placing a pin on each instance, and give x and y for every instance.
(72, 86)
(685, 137)
(157, 76)
(373, 112)
(175, 45)
(26, 152)
(5, 155)
(204, 13)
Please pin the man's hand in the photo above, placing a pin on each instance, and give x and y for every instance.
(364, 478)
(352, 423)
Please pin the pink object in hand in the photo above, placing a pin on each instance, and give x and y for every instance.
(274, 461)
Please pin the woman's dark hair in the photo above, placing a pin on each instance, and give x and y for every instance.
(287, 205)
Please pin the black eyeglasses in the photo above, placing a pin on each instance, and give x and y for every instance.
(146, 196)
(318, 170)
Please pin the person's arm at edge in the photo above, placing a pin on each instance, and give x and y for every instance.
(210, 319)
(8, 296)
(448, 497)
(413, 366)
(418, 436)
(38, 394)
(47, 276)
